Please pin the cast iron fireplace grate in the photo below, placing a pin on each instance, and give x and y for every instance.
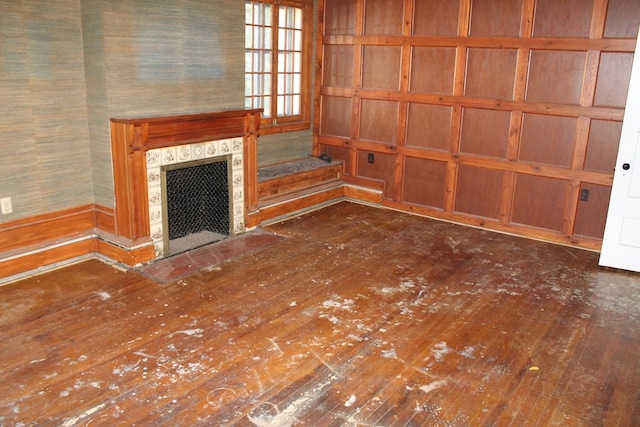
(197, 204)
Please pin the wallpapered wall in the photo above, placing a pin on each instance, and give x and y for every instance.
(44, 149)
(67, 66)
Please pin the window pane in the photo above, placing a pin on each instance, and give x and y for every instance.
(267, 39)
(290, 39)
(291, 17)
(297, 83)
(267, 84)
(297, 63)
(267, 62)
(280, 84)
(248, 86)
(248, 37)
(281, 63)
(256, 61)
(297, 42)
(247, 62)
(257, 13)
(298, 18)
(280, 105)
(296, 105)
(289, 66)
(282, 16)
(267, 106)
(267, 14)
(248, 13)
(288, 105)
(289, 83)
(282, 36)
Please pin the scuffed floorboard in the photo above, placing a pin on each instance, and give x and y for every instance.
(353, 316)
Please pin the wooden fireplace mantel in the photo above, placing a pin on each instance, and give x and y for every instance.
(131, 138)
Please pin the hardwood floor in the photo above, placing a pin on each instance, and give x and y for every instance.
(349, 316)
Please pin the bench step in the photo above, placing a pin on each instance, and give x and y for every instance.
(287, 188)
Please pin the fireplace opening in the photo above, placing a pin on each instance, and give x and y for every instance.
(196, 204)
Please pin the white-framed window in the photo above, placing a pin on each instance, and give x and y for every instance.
(278, 62)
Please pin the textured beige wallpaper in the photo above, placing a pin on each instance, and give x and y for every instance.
(44, 150)
(148, 58)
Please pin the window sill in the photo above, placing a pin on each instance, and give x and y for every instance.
(268, 129)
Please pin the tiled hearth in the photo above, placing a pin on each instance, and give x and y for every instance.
(230, 148)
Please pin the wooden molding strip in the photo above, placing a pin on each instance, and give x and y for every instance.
(44, 240)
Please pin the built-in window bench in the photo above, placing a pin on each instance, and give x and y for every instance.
(294, 186)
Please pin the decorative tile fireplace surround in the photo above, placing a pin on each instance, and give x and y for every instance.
(184, 154)
(141, 146)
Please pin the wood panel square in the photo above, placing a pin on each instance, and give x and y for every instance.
(479, 191)
(539, 201)
(382, 169)
(339, 154)
(614, 75)
(592, 214)
(335, 117)
(623, 19)
(340, 16)
(602, 146)
(429, 126)
(381, 67)
(547, 139)
(491, 18)
(567, 69)
(424, 182)
(435, 18)
(378, 121)
(491, 73)
(433, 70)
(383, 17)
(566, 18)
(485, 132)
(337, 70)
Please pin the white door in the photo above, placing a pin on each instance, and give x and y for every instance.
(621, 242)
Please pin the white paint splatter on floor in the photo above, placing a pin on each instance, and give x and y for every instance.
(69, 422)
(191, 332)
(440, 350)
(350, 401)
(104, 295)
(434, 386)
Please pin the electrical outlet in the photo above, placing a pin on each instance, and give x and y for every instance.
(5, 206)
(370, 158)
(584, 195)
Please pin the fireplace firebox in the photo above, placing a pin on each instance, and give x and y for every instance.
(196, 204)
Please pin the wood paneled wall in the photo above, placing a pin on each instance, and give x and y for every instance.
(493, 113)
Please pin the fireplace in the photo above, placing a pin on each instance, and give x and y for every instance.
(196, 204)
(145, 150)
(195, 194)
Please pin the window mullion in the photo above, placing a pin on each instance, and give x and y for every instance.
(274, 62)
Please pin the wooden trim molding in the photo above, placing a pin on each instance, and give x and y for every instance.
(44, 240)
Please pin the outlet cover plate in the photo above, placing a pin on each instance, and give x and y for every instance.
(5, 206)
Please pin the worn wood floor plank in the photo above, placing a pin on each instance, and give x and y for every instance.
(353, 316)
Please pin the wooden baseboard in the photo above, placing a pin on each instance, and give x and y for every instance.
(40, 241)
(290, 206)
(363, 194)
